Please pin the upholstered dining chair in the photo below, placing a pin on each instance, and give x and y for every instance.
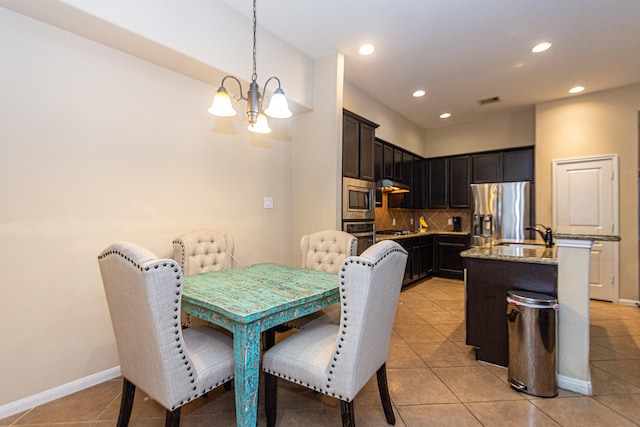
(200, 251)
(325, 250)
(172, 365)
(338, 360)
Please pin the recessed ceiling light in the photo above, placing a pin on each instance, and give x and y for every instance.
(541, 47)
(419, 93)
(445, 115)
(577, 89)
(366, 49)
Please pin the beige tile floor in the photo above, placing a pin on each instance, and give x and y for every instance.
(434, 380)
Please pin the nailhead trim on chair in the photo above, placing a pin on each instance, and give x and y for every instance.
(343, 331)
(176, 325)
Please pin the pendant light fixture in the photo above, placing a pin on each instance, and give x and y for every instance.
(278, 107)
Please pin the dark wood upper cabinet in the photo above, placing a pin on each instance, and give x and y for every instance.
(378, 166)
(459, 180)
(419, 188)
(358, 137)
(486, 167)
(517, 165)
(387, 162)
(407, 174)
(398, 166)
(350, 147)
(437, 172)
(367, 139)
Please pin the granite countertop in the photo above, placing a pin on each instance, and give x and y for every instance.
(380, 237)
(496, 251)
(597, 237)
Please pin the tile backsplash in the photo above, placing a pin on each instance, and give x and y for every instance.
(408, 219)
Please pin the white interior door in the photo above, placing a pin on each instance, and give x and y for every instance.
(585, 201)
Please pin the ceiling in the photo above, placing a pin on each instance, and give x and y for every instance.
(462, 51)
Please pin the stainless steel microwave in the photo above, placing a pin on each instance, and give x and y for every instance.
(358, 199)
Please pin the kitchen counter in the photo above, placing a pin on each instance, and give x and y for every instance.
(381, 237)
(541, 255)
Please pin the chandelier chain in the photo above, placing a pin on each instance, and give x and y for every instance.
(254, 77)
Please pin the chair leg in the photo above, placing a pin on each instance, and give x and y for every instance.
(172, 418)
(271, 398)
(348, 416)
(126, 404)
(383, 388)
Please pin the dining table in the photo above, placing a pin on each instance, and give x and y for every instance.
(252, 299)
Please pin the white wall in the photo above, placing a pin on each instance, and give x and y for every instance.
(515, 129)
(97, 146)
(587, 125)
(394, 128)
(317, 156)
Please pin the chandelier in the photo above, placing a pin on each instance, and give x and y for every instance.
(278, 107)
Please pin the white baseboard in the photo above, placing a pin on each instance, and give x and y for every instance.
(46, 396)
(629, 302)
(573, 384)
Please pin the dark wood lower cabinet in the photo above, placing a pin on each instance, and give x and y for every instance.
(449, 262)
(434, 255)
(487, 284)
(420, 259)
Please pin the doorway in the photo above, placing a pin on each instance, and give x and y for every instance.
(585, 201)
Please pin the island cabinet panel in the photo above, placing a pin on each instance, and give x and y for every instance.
(487, 284)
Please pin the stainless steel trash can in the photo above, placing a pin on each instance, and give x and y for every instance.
(531, 320)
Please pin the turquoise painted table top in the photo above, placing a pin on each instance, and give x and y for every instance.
(246, 293)
(252, 299)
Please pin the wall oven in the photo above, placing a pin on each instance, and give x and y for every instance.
(358, 200)
(365, 231)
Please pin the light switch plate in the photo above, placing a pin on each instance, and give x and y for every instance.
(268, 202)
(450, 221)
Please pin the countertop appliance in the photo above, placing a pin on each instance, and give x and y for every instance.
(501, 211)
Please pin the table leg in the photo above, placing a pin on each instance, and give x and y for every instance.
(246, 349)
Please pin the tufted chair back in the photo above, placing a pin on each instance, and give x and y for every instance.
(338, 360)
(326, 250)
(144, 294)
(203, 250)
(369, 290)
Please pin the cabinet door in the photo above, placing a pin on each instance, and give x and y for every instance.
(437, 183)
(397, 165)
(350, 146)
(419, 188)
(450, 263)
(517, 165)
(367, 138)
(378, 148)
(387, 159)
(486, 168)
(407, 173)
(407, 244)
(459, 182)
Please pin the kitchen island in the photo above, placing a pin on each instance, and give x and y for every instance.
(491, 271)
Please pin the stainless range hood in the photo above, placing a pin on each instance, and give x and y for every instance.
(390, 186)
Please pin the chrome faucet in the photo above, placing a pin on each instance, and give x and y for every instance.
(546, 235)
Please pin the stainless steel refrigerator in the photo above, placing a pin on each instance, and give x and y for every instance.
(501, 211)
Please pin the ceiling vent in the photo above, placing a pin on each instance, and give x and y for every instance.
(489, 100)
